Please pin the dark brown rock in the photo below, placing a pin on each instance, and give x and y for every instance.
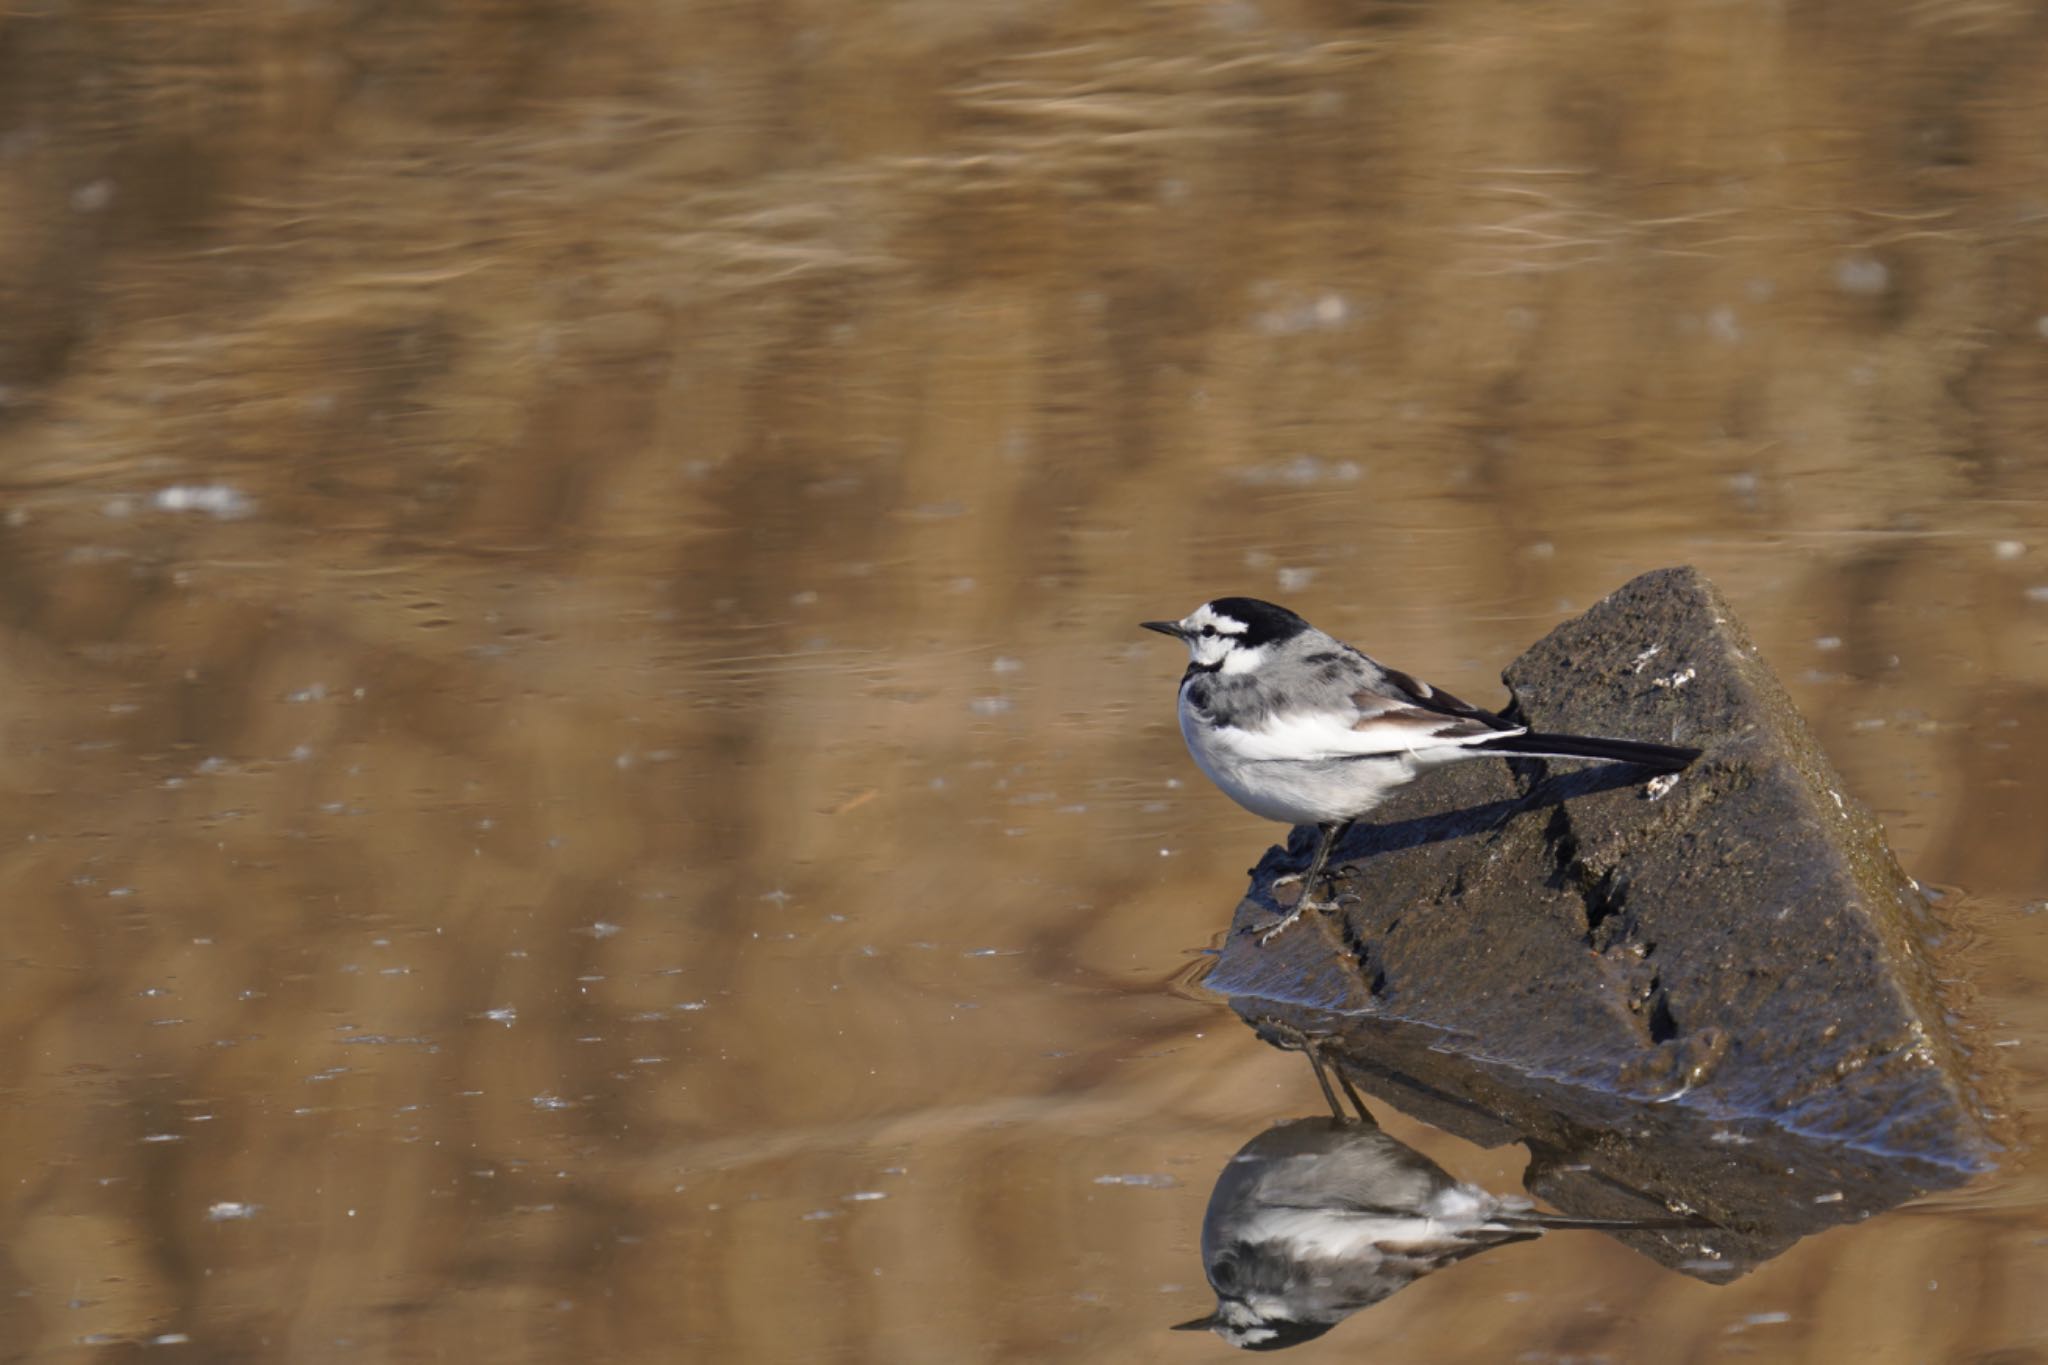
(1711, 992)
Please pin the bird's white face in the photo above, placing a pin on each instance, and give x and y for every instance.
(1211, 638)
(1241, 1324)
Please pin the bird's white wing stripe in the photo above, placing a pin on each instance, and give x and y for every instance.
(1310, 1234)
(1324, 734)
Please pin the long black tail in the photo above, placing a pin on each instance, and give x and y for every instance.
(1667, 758)
(1559, 1222)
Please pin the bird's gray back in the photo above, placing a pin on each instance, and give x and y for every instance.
(1320, 673)
(1357, 1168)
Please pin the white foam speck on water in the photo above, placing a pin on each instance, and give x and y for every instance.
(211, 499)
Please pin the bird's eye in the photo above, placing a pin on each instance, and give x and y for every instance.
(1223, 1274)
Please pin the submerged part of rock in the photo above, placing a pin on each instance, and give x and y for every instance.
(1708, 992)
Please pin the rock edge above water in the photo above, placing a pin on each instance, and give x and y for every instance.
(1711, 992)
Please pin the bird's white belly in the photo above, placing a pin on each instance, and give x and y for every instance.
(1296, 791)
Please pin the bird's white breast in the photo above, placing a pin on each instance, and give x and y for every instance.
(1301, 769)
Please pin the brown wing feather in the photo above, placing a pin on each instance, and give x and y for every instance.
(1430, 698)
(1414, 722)
(1429, 1253)
(1430, 713)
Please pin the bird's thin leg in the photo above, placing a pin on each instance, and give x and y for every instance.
(1312, 1048)
(1331, 833)
(1352, 1095)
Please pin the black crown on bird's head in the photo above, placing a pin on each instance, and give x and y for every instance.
(1265, 623)
(1261, 1334)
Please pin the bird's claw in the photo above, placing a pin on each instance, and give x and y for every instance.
(1342, 872)
(1300, 1039)
(1267, 936)
(1290, 917)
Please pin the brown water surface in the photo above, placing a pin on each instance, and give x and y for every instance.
(580, 781)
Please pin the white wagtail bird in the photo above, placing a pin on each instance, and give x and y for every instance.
(1299, 727)
(1314, 1219)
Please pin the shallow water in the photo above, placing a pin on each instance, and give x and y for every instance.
(581, 781)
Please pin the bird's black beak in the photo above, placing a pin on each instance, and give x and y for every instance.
(1166, 628)
(1198, 1325)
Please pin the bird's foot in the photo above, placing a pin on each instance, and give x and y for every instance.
(1343, 872)
(1336, 902)
(1280, 927)
(1300, 1039)
(1305, 903)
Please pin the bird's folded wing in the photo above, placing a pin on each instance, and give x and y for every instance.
(1404, 713)
(1399, 689)
(1424, 1254)
(1384, 712)
(1400, 1235)
(1370, 725)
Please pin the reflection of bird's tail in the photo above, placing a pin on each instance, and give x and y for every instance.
(1663, 757)
(1556, 1222)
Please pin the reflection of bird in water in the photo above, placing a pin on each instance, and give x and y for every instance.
(1314, 1219)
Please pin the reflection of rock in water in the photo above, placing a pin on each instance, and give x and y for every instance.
(1314, 1219)
(1710, 992)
